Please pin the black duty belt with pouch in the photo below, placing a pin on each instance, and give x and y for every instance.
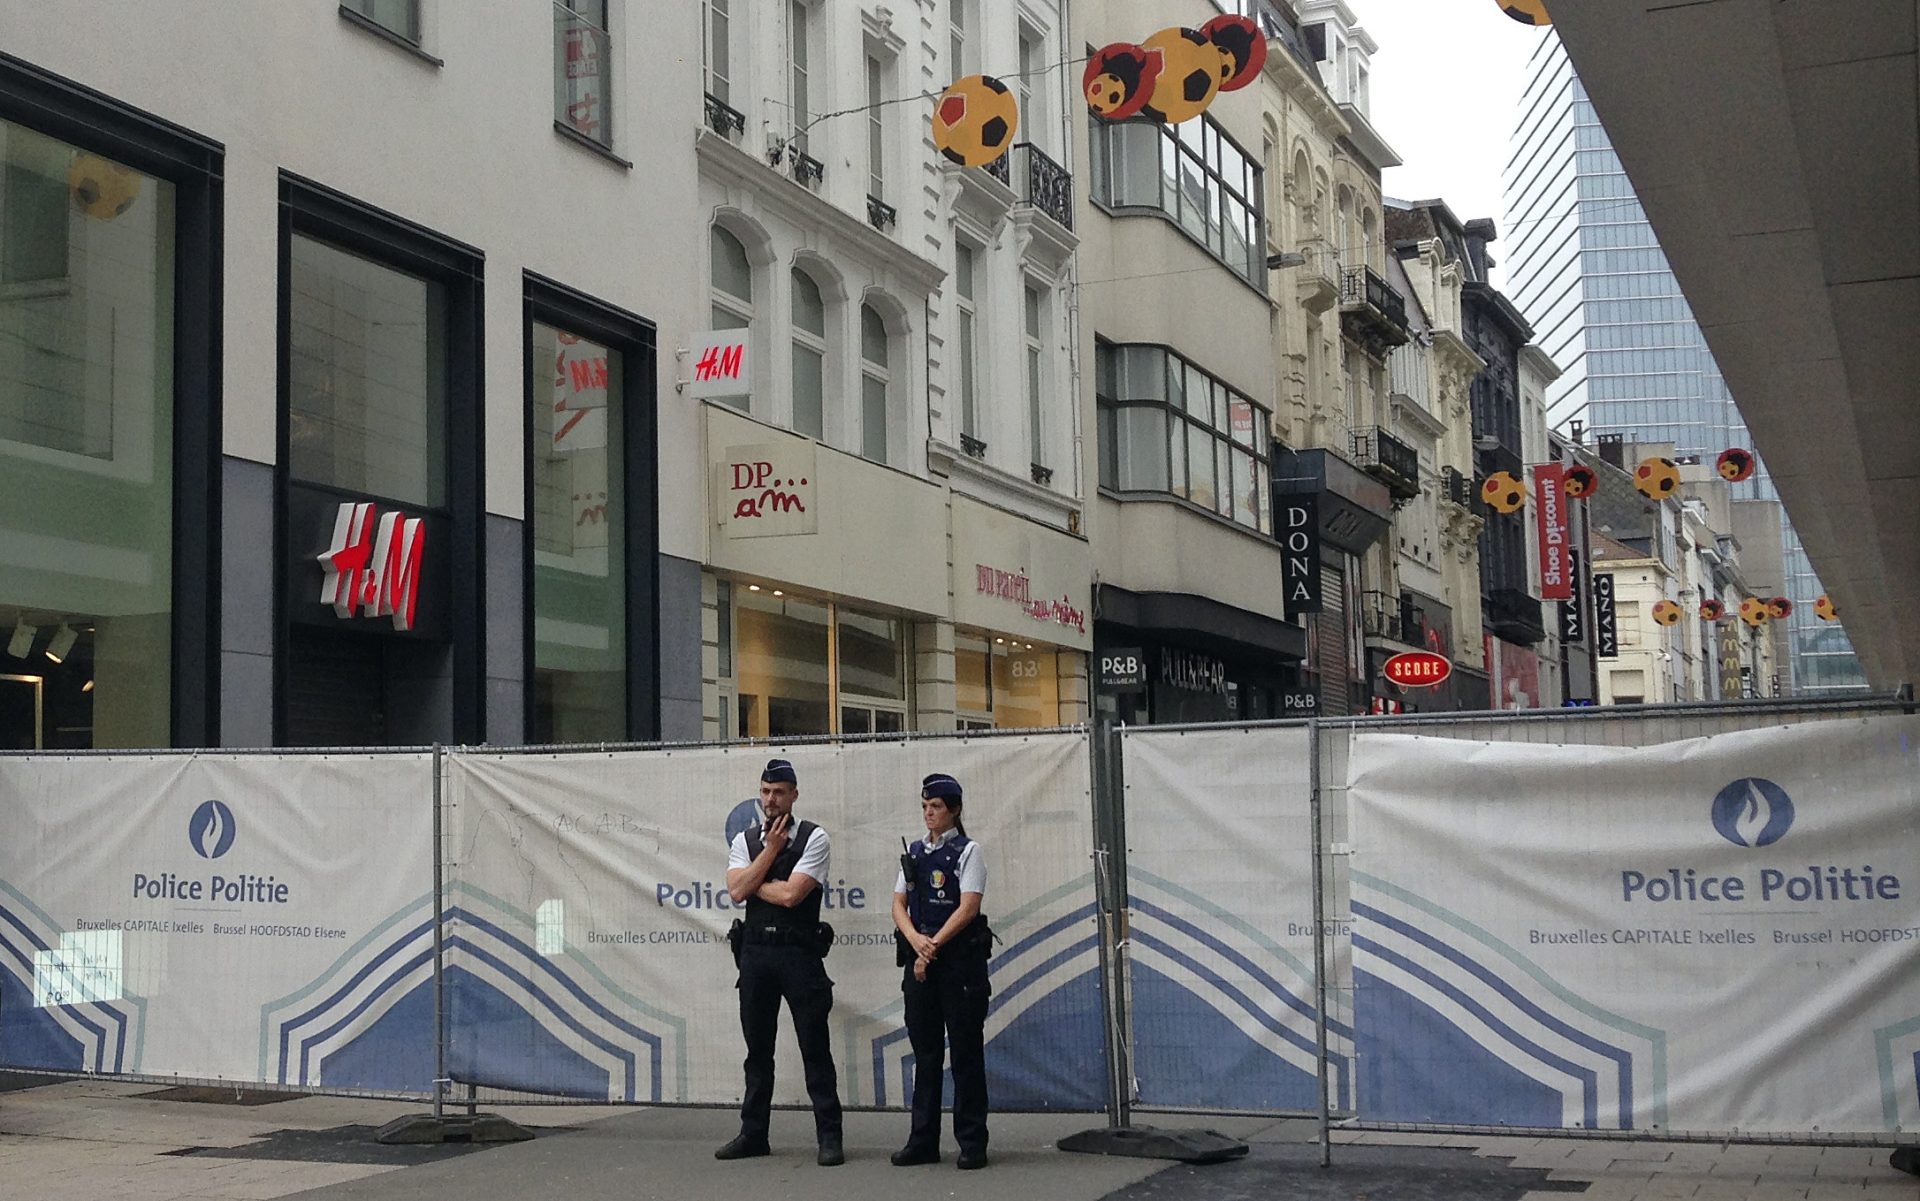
(819, 940)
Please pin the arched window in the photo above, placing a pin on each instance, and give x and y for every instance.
(732, 287)
(876, 384)
(1303, 215)
(1349, 253)
(1370, 237)
(809, 356)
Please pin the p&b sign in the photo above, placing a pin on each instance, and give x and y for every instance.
(1123, 669)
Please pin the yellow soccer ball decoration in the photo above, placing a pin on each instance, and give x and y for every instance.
(1666, 612)
(1753, 611)
(1191, 68)
(1825, 609)
(1527, 12)
(1657, 478)
(1503, 492)
(102, 189)
(974, 121)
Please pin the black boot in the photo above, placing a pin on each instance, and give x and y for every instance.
(912, 1156)
(969, 1160)
(743, 1147)
(831, 1155)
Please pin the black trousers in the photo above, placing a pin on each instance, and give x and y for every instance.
(949, 1010)
(768, 975)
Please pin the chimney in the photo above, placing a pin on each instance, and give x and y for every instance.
(1613, 449)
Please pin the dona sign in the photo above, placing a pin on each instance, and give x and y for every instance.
(1417, 669)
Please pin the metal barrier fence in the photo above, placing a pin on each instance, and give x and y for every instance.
(1247, 954)
(1312, 918)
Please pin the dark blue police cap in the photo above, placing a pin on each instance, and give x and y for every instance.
(779, 771)
(941, 785)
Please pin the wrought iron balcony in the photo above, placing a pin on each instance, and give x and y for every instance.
(1371, 312)
(724, 119)
(1001, 169)
(972, 447)
(880, 214)
(1385, 615)
(1042, 475)
(1049, 186)
(1514, 615)
(1389, 460)
(1457, 487)
(806, 168)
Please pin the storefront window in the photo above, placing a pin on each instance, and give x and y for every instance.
(367, 380)
(579, 536)
(780, 655)
(1005, 684)
(873, 674)
(86, 440)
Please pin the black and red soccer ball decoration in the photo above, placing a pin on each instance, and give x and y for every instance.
(1734, 464)
(1712, 610)
(1581, 481)
(1119, 79)
(1175, 74)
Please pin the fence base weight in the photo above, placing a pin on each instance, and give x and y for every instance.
(1905, 1159)
(1151, 1142)
(452, 1128)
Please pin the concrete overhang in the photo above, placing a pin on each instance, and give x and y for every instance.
(1776, 149)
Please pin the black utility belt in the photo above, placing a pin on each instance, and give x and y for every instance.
(976, 941)
(778, 936)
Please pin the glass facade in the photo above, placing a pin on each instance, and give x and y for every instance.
(1194, 175)
(579, 540)
(87, 260)
(794, 667)
(1000, 683)
(1168, 426)
(1586, 269)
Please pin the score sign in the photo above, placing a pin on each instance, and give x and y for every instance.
(719, 365)
(1417, 669)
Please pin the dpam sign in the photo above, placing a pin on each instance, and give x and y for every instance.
(767, 490)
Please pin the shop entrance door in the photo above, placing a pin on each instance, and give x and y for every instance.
(347, 688)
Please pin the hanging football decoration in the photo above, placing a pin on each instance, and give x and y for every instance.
(1189, 76)
(1712, 610)
(1825, 609)
(1657, 478)
(100, 188)
(1243, 49)
(1581, 481)
(974, 121)
(1666, 612)
(1779, 608)
(1503, 492)
(1734, 464)
(1119, 80)
(1753, 611)
(1527, 12)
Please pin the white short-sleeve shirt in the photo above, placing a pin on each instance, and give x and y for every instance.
(814, 859)
(972, 870)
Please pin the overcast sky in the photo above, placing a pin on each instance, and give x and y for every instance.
(1446, 94)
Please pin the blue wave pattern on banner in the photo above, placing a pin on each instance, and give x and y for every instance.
(1044, 1043)
(1218, 1027)
(361, 1023)
(93, 1036)
(1445, 1036)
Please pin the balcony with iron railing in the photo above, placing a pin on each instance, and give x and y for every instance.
(880, 214)
(1371, 312)
(1513, 614)
(1045, 184)
(1389, 616)
(724, 119)
(1389, 460)
(1457, 487)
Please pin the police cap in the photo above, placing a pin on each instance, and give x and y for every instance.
(779, 771)
(941, 785)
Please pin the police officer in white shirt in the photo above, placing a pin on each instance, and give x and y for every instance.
(774, 869)
(943, 943)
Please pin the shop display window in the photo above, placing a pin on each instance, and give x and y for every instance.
(1001, 683)
(796, 667)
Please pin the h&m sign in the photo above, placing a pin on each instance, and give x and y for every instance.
(1300, 551)
(372, 566)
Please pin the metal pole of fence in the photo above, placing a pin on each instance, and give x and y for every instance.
(439, 950)
(1319, 938)
(1118, 894)
(1104, 843)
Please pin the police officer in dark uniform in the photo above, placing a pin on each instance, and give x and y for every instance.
(944, 943)
(774, 869)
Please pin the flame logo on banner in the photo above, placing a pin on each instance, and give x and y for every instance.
(1752, 812)
(211, 830)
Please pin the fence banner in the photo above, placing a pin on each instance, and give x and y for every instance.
(588, 953)
(1221, 948)
(255, 918)
(1713, 934)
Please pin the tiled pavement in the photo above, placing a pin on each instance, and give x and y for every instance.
(91, 1140)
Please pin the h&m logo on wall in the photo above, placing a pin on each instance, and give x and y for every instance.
(372, 566)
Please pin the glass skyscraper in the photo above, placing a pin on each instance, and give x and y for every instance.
(1585, 267)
